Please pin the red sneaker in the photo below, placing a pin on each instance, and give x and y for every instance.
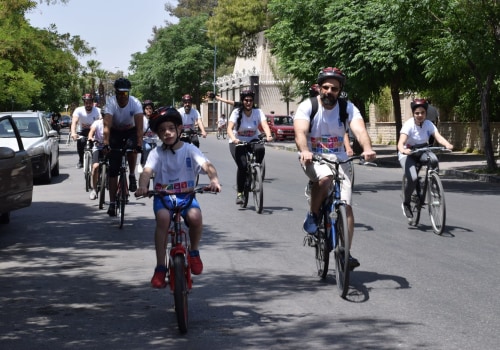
(196, 265)
(158, 280)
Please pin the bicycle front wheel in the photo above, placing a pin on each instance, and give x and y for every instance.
(246, 189)
(87, 171)
(436, 203)
(342, 252)
(322, 247)
(218, 134)
(101, 184)
(121, 198)
(181, 293)
(257, 189)
(415, 204)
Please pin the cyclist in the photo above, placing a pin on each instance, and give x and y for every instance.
(83, 117)
(327, 135)
(221, 122)
(191, 119)
(123, 120)
(149, 139)
(243, 125)
(176, 165)
(54, 122)
(97, 138)
(415, 133)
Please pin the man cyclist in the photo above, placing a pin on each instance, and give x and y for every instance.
(415, 133)
(97, 137)
(176, 165)
(82, 120)
(123, 121)
(191, 119)
(243, 125)
(327, 135)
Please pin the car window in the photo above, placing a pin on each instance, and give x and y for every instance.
(29, 127)
(7, 132)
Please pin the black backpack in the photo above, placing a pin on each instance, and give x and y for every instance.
(343, 111)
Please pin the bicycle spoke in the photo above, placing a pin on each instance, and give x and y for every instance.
(437, 207)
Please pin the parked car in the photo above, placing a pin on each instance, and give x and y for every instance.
(40, 141)
(281, 127)
(65, 121)
(16, 174)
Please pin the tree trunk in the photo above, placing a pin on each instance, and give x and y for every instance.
(396, 104)
(485, 92)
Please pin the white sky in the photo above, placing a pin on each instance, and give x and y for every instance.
(116, 28)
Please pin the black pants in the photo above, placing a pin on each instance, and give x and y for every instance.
(117, 140)
(240, 157)
(81, 142)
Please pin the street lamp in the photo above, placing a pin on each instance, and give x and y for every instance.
(215, 77)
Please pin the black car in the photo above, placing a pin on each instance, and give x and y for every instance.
(65, 121)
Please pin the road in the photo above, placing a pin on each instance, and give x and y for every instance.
(69, 278)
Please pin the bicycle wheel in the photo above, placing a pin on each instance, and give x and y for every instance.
(322, 249)
(218, 134)
(102, 184)
(436, 203)
(263, 167)
(246, 189)
(224, 133)
(351, 175)
(415, 204)
(121, 198)
(87, 171)
(181, 293)
(342, 252)
(257, 189)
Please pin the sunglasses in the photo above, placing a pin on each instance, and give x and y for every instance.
(121, 93)
(248, 100)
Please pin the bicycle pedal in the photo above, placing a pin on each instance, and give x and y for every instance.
(310, 240)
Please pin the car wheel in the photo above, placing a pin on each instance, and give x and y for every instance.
(47, 175)
(55, 170)
(5, 218)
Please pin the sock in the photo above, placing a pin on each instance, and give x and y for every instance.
(194, 253)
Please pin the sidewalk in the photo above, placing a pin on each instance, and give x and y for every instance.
(456, 164)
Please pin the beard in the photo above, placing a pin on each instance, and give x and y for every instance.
(328, 100)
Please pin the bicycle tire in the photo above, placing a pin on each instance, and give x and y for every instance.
(101, 184)
(351, 175)
(181, 293)
(87, 170)
(415, 204)
(263, 171)
(436, 203)
(322, 248)
(121, 197)
(342, 243)
(258, 189)
(246, 189)
(218, 134)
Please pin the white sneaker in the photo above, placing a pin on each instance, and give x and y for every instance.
(93, 195)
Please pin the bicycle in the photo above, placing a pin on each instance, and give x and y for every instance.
(87, 165)
(333, 233)
(221, 132)
(428, 191)
(178, 263)
(122, 193)
(254, 180)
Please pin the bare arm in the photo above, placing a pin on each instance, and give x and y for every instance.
(442, 141)
(230, 132)
(266, 129)
(199, 122)
(229, 102)
(401, 144)
(359, 130)
(142, 189)
(212, 175)
(139, 125)
(107, 122)
(74, 122)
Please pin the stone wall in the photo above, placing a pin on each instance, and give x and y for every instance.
(464, 136)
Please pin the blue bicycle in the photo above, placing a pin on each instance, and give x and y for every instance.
(333, 233)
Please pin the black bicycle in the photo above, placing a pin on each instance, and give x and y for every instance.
(254, 180)
(122, 193)
(102, 180)
(333, 233)
(87, 164)
(428, 191)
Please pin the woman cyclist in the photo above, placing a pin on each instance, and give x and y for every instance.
(243, 126)
(415, 133)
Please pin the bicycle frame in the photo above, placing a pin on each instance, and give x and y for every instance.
(254, 180)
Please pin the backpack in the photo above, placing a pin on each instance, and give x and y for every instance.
(343, 111)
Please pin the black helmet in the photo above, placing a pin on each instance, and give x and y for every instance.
(122, 84)
(419, 102)
(164, 114)
(148, 103)
(329, 72)
(246, 93)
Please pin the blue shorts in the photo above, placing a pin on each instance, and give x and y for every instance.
(180, 198)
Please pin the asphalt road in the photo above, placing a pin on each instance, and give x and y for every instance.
(69, 278)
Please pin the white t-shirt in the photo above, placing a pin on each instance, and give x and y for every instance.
(149, 136)
(327, 130)
(249, 127)
(417, 134)
(176, 172)
(85, 119)
(189, 120)
(99, 133)
(123, 118)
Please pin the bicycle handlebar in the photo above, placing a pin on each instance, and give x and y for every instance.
(362, 161)
(197, 189)
(430, 149)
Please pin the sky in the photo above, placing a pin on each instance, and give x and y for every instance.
(117, 30)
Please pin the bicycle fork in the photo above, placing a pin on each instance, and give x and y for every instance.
(178, 235)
